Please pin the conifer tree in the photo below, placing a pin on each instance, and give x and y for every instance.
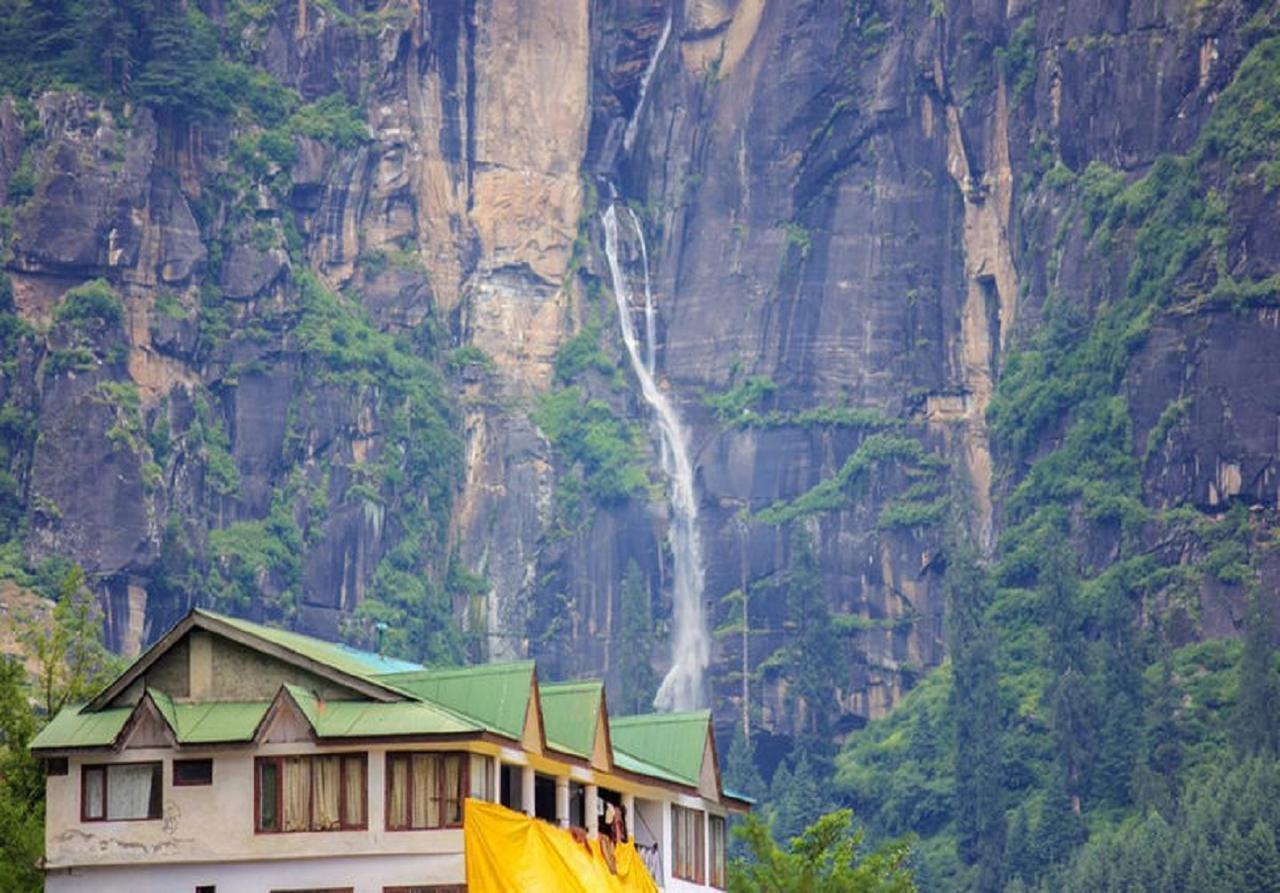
(975, 709)
(809, 662)
(1257, 720)
(635, 645)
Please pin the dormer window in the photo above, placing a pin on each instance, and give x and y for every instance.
(121, 792)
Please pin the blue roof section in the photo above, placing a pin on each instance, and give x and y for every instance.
(377, 663)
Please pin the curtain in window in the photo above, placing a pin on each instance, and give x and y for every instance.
(717, 878)
(93, 779)
(453, 789)
(129, 791)
(268, 788)
(398, 795)
(297, 794)
(426, 795)
(327, 778)
(353, 779)
(481, 778)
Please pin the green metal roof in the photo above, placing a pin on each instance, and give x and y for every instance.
(494, 695)
(624, 760)
(220, 722)
(191, 723)
(371, 719)
(334, 654)
(71, 728)
(674, 742)
(571, 714)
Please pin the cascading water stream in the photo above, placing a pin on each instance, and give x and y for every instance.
(629, 135)
(682, 688)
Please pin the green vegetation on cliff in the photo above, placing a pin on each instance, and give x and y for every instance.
(1069, 745)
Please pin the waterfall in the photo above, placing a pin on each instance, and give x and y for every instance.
(629, 135)
(690, 649)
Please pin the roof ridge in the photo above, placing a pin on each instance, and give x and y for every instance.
(650, 718)
(469, 669)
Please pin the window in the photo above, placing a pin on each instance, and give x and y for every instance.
(55, 766)
(715, 833)
(512, 787)
(206, 888)
(120, 792)
(192, 772)
(437, 888)
(425, 790)
(688, 844)
(321, 792)
(481, 773)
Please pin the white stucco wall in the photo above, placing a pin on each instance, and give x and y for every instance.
(215, 822)
(365, 874)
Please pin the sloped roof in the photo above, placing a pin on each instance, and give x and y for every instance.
(372, 719)
(571, 711)
(350, 667)
(334, 654)
(215, 723)
(73, 727)
(673, 742)
(495, 695)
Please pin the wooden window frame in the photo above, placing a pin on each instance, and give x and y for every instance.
(278, 762)
(464, 781)
(192, 784)
(718, 878)
(698, 821)
(85, 768)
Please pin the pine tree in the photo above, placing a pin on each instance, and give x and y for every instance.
(635, 645)
(813, 646)
(1071, 694)
(1257, 720)
(1257, 863)
(799, 797)
(975, 709)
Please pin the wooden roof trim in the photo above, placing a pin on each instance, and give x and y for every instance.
(145, 708)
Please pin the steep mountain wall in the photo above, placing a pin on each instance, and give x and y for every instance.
(318, 377)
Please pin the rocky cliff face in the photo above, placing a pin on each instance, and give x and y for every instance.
(855, 212)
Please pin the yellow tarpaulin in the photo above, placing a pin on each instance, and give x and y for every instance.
(508, 852)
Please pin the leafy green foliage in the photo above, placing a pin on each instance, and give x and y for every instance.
(600, 444)
(93, 304)
(22, 794)
(580, 353)
(826, 858)
(833, 493)
(742, 400)
(246, 552)
(1222, 839)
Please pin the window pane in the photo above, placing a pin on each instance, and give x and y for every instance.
(398, 793)
(453, 789)
(192, 772)
(354, 784)
(297, 794)
(132, 792)
(268, 793)
(326, 778)
(481, 778)
(93, 799)
(426, 794)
